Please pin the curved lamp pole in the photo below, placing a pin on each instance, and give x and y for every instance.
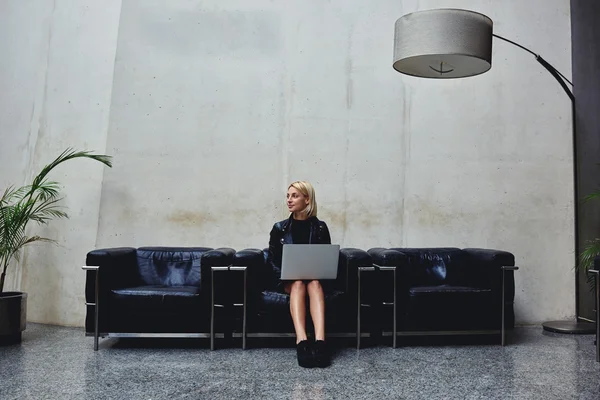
(454, 43)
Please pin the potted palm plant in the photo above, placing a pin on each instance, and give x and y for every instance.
(591, 249)
(38, 202)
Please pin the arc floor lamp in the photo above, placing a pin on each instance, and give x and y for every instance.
(454, 43)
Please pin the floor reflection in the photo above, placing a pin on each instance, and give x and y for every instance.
(54, 362)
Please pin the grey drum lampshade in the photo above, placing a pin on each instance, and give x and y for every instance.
(443, 43)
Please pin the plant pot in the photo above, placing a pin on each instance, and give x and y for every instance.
(13, 317)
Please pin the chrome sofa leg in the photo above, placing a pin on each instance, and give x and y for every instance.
(597, 317)
(245, 306)
(96, 303)
(503, 330)
(245, 301)
(502, 333)
(358, 307)
(597, 295)
(96, 311)
(212, 309)
(395, 302)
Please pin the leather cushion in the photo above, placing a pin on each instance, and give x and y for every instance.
(424, 290)
(156, 298)
(448, 307)
(276, 302)
(170, 266)
(437, 266)
(259, 276)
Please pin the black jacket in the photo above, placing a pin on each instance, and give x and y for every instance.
(282, 233)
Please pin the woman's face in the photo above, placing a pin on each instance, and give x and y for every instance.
(296, 201)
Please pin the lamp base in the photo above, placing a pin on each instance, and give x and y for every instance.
(571, 327)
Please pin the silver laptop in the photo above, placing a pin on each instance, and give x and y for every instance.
(309, 261)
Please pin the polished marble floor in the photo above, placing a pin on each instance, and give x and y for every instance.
(59, 363)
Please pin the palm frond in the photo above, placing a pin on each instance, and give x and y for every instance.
(25, 240)
(46, 210)
(11, 193)
(10, 239)
(47, 190)
(38, 202)
(66, 155)
(586, 259)
(592, 196)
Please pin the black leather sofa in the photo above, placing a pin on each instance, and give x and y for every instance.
(444, 291)
(206, 293)
(152, 291)
(268, 310)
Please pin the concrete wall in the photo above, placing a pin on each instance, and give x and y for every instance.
(57, 64)
(216, 106)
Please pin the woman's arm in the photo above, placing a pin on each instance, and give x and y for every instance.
(275, 249)
(325, 237)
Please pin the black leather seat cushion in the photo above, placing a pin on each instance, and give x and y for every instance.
(432, 290)
(274, 312)
(272, 302)
(156, 298)
(436, 307)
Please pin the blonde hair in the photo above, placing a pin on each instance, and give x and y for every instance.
(307, 190)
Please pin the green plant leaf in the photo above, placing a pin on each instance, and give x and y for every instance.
(66, 155)
(592, 196)
(586, 259)
(38, 202)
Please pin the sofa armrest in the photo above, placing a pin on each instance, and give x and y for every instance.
(254, 259)
(488, 257)
(221, 257)
(258, 278)
(404, 275)
(388, 257)
(116, 269)
(392, 258)
(487, 271)
(217, 257)
(349, 262)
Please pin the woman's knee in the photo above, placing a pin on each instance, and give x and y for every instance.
(314, 285)
(297, 285)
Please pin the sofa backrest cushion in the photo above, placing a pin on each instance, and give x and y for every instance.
(170, 266)
(436, 266)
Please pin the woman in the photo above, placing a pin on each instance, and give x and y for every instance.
(302, 227)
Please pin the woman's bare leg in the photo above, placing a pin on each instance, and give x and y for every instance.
(317, 308)
(297, 292)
